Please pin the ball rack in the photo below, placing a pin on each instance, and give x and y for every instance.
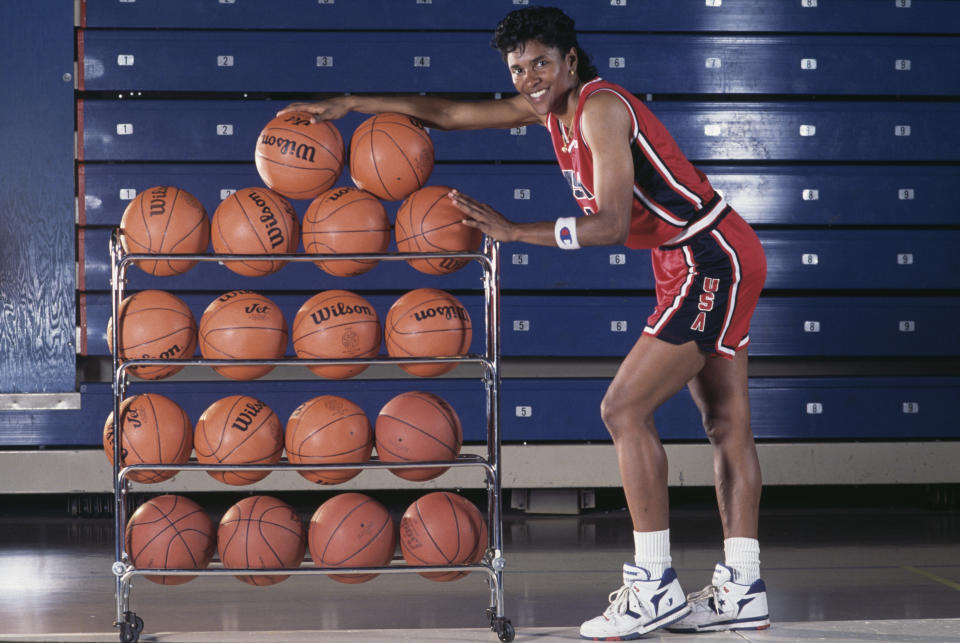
(131, 625)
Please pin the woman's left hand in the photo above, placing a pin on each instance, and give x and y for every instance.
(483, 217)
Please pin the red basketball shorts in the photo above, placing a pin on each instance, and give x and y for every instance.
(707, 288)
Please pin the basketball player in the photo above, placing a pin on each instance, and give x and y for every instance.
(636, 188)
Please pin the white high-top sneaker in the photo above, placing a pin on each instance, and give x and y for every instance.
(726, 605)
(641, 605)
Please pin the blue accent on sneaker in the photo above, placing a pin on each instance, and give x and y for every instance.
(669, 575)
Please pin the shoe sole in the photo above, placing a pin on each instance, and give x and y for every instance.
(761, 623)
(664, 621)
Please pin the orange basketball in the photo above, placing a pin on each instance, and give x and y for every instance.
(255, 221)
(352, 530)
(428, 221)
(479, 524)
(164, 220)
(336, 324)
(442, 528)
(170, 532)
(297, 158)
(346, 220)
(156, 430)
(261, 532)
(418, 426)
(391, 155)
(327, 430)
(427, 322)
(238, 429)
(242, 324)
(154, 324)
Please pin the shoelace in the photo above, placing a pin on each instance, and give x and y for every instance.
(620, 601)
(703, 597)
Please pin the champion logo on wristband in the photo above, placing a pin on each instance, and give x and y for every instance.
(565, 233)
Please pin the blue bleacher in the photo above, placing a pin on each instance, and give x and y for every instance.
(545, 410)
(849, 16)
(607, 326)
(829, 125)
(781, 195)
(197, 130)
(332, 61)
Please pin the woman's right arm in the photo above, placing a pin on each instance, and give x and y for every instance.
(438, 113)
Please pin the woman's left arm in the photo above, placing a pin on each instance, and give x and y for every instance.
(607, 128)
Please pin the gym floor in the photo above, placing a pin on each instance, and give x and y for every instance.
(841, 564)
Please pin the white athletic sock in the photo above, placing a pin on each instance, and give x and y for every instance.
(652, 551)
(743, 557)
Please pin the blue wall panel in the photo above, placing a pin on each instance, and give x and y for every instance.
(37, 329)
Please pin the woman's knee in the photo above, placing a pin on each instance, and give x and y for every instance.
(722, 427)
(622, 415)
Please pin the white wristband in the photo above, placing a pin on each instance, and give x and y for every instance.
(565, 233)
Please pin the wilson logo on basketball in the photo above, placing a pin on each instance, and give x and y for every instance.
(268, 219)
(133, 417)
(339, 193)
(245, 417)
(290, 147)
(158, 201)
(446, 312)
(256, 309)
(338, 310)
(233, 293)
(170, 353)
(295, 120)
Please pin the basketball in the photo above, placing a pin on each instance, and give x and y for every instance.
(255, 221)
(391, 155)
(297, 158)
(352, 530)
(346, 220)
(336, 324)
(427, 322)
(479, 524)
(154, 324)
(418, 426)
(156, 430)
(327, 430)
(164, 220)
(170, 532)
(242, 324)
(441, 528)
(261, 532)
(428, 221)
(238, 429)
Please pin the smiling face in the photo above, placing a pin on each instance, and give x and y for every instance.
(542, 75)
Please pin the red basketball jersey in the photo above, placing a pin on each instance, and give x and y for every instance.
(670, 196)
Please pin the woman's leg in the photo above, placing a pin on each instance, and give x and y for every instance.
(652, 372)
(720, 392)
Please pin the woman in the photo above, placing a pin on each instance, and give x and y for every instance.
(637, 189)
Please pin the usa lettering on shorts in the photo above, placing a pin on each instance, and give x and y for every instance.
(707, 297)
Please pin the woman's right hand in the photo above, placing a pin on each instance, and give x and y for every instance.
(329, 109)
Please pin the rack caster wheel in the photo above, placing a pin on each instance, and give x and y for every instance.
(504, 629)
(492, 617)
(130, 628)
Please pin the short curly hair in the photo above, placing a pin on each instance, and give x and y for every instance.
(547, 25)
